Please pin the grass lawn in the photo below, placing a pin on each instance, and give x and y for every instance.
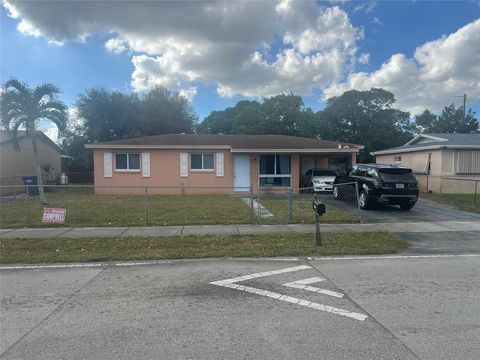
(302, 211)
(460, 201)
(138, 248)
(86, 209)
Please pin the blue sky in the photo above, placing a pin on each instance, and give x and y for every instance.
(425, 52)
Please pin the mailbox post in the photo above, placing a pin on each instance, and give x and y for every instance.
(319, 209)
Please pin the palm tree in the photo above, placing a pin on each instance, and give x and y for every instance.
(23, 107)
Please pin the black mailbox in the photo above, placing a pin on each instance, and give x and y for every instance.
(319, 207)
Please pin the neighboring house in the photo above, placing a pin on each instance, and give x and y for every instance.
(439, 161)
(17, 163)
(212, 163)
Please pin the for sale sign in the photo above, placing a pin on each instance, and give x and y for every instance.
(54, 215)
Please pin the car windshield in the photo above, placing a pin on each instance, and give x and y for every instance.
(396, 174)
(324, 173)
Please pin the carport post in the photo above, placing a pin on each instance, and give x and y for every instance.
(146, 205)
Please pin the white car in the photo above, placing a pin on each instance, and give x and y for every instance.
(321, 180)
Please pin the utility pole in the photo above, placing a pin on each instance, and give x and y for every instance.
(464, 106)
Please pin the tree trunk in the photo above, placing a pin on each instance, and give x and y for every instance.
(38, 171)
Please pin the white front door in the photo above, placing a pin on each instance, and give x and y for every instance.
(241, 172)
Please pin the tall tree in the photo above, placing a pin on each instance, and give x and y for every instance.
(283, 114)
(111, 115)
(365, 117)
(425, 121)
(21, 106)
(451, 120)
(108, 116)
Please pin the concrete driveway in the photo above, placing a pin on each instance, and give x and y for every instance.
(423, 211)
(357, 308)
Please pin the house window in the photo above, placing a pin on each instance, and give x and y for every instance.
(127, 162)
(397, 158)
(201, 162)
(275, 170)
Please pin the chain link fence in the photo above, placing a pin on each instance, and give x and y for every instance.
(90, 206)
(461, 191)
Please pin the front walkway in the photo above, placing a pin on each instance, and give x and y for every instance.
(399, 227)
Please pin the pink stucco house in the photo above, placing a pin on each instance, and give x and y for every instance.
(218, 164)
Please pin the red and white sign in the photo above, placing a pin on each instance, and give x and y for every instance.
(54, 215)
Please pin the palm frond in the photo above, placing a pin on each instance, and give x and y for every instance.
(15, 85)
(44, 90)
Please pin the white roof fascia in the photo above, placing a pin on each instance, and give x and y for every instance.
(433, 138)
(333, 150)
(435, 147)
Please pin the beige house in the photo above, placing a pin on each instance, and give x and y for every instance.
(217, 164)
(442, 163)
(17, 163)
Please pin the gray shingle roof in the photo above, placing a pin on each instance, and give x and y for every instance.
(239, 142)
(450, 140)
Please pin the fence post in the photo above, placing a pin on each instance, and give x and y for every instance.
(258, 205)
(357, 201)
(29, 218)
(252, 213)
(289, 205)
(146, 205)
(475, 196)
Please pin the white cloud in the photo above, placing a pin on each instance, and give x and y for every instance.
(440, 71)
(116, 46)
(365, 6)
(228, 43)
(364, 58)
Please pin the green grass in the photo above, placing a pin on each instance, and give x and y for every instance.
(461, 201)
(137, 248)
(302, 212)
(84, 209)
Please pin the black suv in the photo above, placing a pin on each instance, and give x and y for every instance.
(379, 183)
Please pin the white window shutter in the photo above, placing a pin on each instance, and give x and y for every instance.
(220, 164)
(146, 164)
(183, 165)
(107, 164)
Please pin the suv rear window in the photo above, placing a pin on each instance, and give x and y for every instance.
(396, 174)
(324, 173)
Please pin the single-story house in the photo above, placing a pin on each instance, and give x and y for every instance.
(14, 164)
(213, 163)
(441, 162)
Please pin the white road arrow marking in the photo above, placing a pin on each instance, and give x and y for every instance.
(304, 285)
(232, 284)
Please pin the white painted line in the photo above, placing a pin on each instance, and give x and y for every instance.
(261, 274)
(297, 301)
(304, 285)
(307, 281)
(392, 257)
(232, 284)
(62, 266)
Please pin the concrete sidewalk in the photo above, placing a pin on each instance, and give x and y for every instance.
(400, 227)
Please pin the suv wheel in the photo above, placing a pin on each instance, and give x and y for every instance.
(363, 200)
(406, 206)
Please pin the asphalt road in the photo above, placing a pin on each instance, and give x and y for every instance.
(391, 308)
